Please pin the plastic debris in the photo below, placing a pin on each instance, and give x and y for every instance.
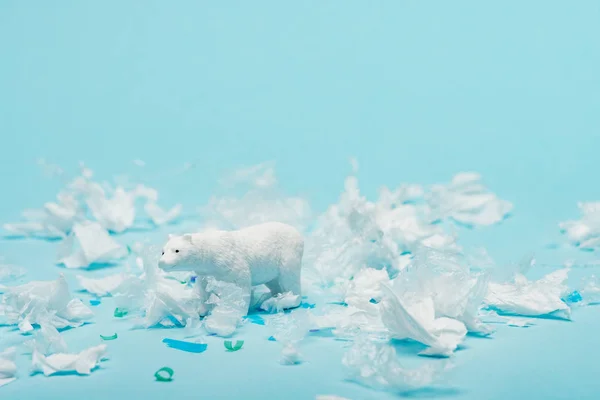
(229, 306)
(102, 286)
(238, 345)
(290, 355)
(531, 298)
(82, 363)
(418, 322)
(95, 302)
(9, 272)
(376, 365)
(109, 337)
(280, 302)
(255, 319)
(190, 347)
(95, 247)
(38, 302)
(8, 368)
(272, 339)
(160, 216)
(590, 292)
(518, 323)
(584, 233)
(120, 312)
(165, 374)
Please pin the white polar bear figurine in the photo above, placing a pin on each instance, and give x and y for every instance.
(268, 253)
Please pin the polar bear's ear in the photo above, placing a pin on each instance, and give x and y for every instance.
(188, 237)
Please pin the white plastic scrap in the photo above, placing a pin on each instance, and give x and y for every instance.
(8, 368)
(279, 302)
(160, 216)
(229, 306)
(158, 300)
(467, 201)
(94, 245)
(585, 232)
(289, 330)
(417, 321)
(376, 365)
(102, 286)
(82, 363)
(43, 302)
(531, 298)
(10, 272)
(591, 290)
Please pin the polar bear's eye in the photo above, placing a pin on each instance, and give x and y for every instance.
(163, 253)
(176, 251)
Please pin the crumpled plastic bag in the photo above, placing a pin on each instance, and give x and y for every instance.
(95, 246)
(38, 302)
(82, 363)
(8, 368)
(417, 321)
(531, 298)
(102, 286)
(376, 365)
(584, 232)
(280, 302)
(289, 330)
(467, 201)
(157, 299)
(229, 306)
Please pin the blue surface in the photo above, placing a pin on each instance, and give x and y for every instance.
(416, 91)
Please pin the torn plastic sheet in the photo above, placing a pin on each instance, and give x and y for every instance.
(376, 365)
(43, 302)
(8, 368)
(280, 302)
(94, 246)
(54, 221)
(155, 298)
(531, 298)
(229, 305)
(467, 201)
(190, 347)
(102, 286)
(160, 216)
(417, 321)
(81, 363)
(9, 272)
(289, 329)
(584, 232)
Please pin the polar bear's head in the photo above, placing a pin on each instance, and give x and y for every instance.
(178, 254)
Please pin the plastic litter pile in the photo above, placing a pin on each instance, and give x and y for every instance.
(380, 272)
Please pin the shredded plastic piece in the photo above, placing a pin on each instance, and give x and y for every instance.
(537, 298)
(110, 337)
(272, 339)
(165, 374)
(8, 368)
(95, 247)
(255, 319)
(238, 345)
(190, 347)
(9, 272)
(160, 216)
(280, 302)
(38, 302)
(376, 365)
(518, 323)
(95, 302)
(102, 286)
(584, 233)
(290, 355)
(590, 292)
(120, 312)
(229, 307)
(82, 363)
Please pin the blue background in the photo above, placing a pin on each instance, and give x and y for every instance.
(416, 91)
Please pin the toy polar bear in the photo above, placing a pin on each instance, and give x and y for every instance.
(268, 253)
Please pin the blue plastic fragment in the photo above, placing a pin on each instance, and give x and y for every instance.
(95, 302)
(306, 305)
(255, 319)
(373, 301)
(574, 297)
(340, 303)
(190, 347)
(272, 339)
(193, 278)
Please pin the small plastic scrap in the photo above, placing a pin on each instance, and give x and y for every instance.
(9, 272)
(255, 319)
(82, 363)
(531, 298)
(518, 323)
(280, 302)
(8, 368)
(290, 355)
(120, 312)
(102, 286)
(95, 246)
(230, 305)
(109, 337)
(238, 345)
(38, 302)
(190, 347)
(165, 374)
(95, 302)
(376, 365)
(584, 233)
(591, 290)
(272, 339)
(160, 216)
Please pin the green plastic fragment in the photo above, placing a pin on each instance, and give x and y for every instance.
(230, 347)
(120, 312)
(165, 374)
(111, 337)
